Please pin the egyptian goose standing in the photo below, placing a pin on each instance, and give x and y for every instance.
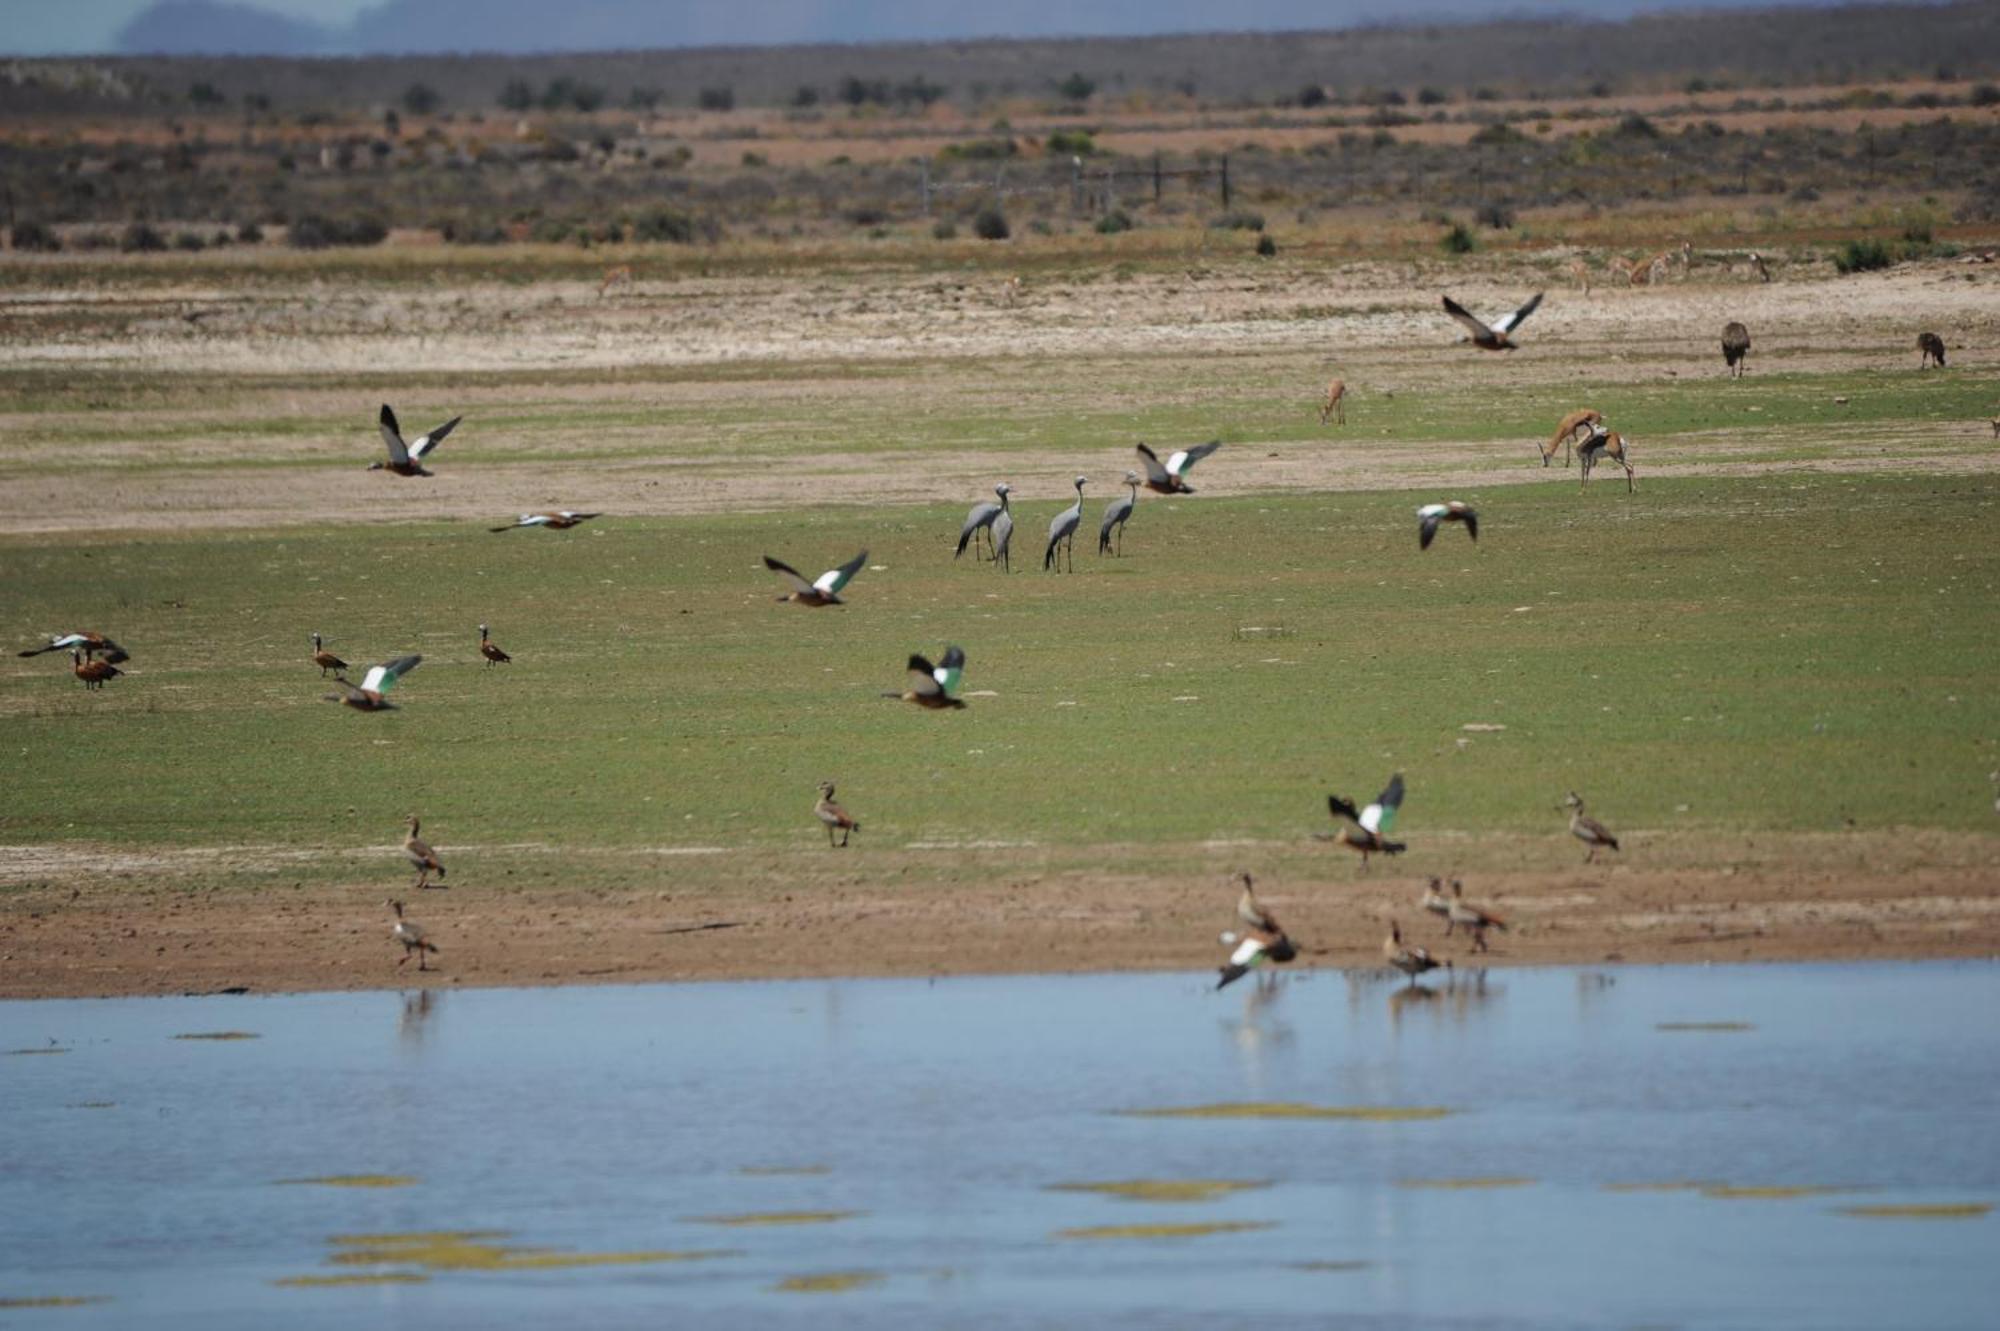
(1170, 478)
(1430, 515)
(1367, 830)
(1437, 903)
(1412, 961)
(92, 673)
(934, 686)
(494, 656)
(324, 659)
(1471, 918)
(1493, 337)
(408, 459)
(833, 815)
(1587, 829)
(411, 935)
(418, 852)
(823, 590)
(1262, 939)
(560, 520)
(91, 644)
(370, 695)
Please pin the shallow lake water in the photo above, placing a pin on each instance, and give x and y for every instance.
(1772, 1146)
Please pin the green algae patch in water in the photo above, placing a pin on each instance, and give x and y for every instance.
(55, 1301)
(475, 1250)
(1285, 1109)
(749, 1218)
(1165, 1189)
(1778, 1193)
(1467, 1183)
(30, 1053)
(1665, 1185)
(1189, 1231)
(829, 1282)
(354, 1181)
(220, 1035)
(1945, 1211)
(1717, 1026)
(557, 1261)
(358, 1278)
(416, 1238)
(1330, 1266)
(783, 1171)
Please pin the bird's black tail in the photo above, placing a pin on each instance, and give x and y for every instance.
(1230, 974)
(1391, 848)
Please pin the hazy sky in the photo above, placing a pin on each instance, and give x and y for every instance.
(45, 27)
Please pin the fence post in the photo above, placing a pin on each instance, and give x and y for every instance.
(1225, 182)
(1075, 184)
(924, 170)
(1156, 179)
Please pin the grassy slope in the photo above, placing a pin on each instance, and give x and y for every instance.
(1775, 653)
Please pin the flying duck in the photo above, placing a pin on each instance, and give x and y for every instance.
(368, 697)
(408, 459)
(1262, 939)
(1430, 515)
(823, 590)
(1172, 478)
(934, 686)
(92, 645)
(557, 521)
(1492, 337)
(1367, 831)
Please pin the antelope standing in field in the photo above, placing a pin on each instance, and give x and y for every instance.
(1336, 402)
(1757, 262)
(1603, 443)
(1587, 829)
(411, 935)
(1582, 420)
(833, 816)
(1933, 348)
(1735, 347)
(1579, 273)
(621, 276)
(1261, 939)
(1655, 270)
(418, 852)
(94, 674)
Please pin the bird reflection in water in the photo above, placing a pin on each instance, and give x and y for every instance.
(1457, 997)
(1259, 1032)
(417, 1008)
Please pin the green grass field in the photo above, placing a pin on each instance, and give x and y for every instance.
(1781, 653)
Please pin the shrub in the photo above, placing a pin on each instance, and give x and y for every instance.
(1636, 126)
(990, 224)
(1862, 256)
(35, 237)
(474, 233)
(1312, 95)
(1918, 233)
(867, 216)
(944, 229)
(1984, 94)
(140, 238)
(643, 99)
(1458, 240)
(315, 232)
(754, 159)
(221, 239)
(517, 95)
(1498, 135)
(979, 150)
(1495, 215)
(191, 241)
(717, 99)
(1076, 88)
(420, 99)
(672, 226)
(1113, 222)
(206, 94)
(1266, 247)
(1430, 97)
(250, 233)
(1076, 142)
(1237, 219)
(804, 96)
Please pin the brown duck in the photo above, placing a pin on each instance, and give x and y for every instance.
(833, 815)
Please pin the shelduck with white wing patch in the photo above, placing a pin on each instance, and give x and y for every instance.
(1430, 515)
(1494, 336)
(823, 590)
(1367, 830)
(90, 644)
(408, 459)
(411, 935)
(1261, 940)
(1170, 477)
(560, 520)
(934, 686)
(370, 694)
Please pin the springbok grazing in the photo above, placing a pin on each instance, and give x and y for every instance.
(418, 852)
(1757, 262)
(562, 520)
(94, 674)
(1262, 939)
(621, 276)
(1473, 919)
(1456, 510)
(411, 935)
(1587, 829)
(1367, 830)
(823, 590)
(408, 459)
(324, 659)
(1412, 961)
(1603, 443)
(981, 519)
(1735, 347)
(1492, 337)
(92, 645)
(371, 694)
(1062, 531)
(1579, 273)
(833, 816)
(1655, 270)
(1933, 348)
(1336, 402)
(935, 686)
(1116, 514)
(1582, 420)
(494, 656)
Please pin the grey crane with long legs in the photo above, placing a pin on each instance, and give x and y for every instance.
(1062, 531)
(1115, 515)
(981, 519)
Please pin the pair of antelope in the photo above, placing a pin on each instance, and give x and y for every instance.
(1584, 428)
